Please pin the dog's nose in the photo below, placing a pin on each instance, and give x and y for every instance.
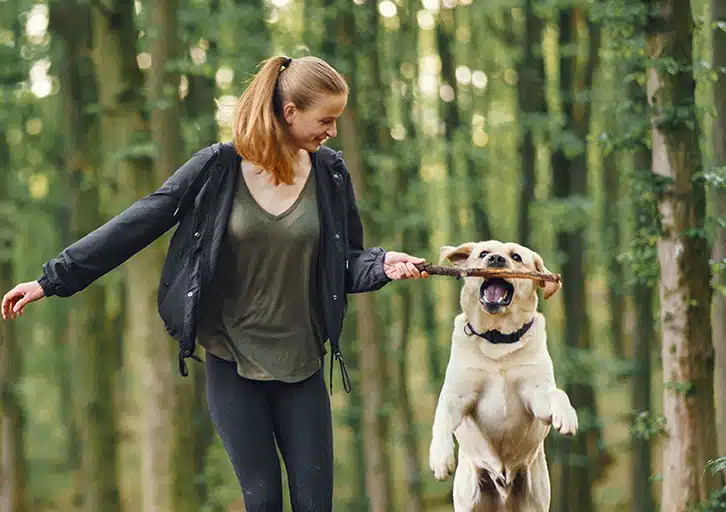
(496, 260)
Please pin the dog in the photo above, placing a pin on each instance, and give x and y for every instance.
(499, 396)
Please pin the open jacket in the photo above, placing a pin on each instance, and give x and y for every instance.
(198, 197)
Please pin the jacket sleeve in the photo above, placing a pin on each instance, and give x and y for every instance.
(124, 235)
(364, 269)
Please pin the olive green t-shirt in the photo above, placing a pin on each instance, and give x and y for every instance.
(260, 311)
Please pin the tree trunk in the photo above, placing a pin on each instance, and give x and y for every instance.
(91, 346)
(406, 176)
(611, 245)
(170, 425)
(449, 112)
(125, 135)
(372, 363)
(643, 341)
(683, 254)
(611, 222)
(569, 180)
(13, 487)
(531, 107)
(718, 199)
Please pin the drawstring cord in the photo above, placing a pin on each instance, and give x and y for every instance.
(335, 354)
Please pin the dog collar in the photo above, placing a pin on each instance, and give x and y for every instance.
(497, 337)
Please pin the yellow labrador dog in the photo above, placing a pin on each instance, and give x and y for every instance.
(499, 395)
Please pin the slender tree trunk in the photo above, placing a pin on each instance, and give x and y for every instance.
(200, 108)
(643, 341)
(718, 199)
(124, 128)
(169, 428)
(611, 245)
(449, 112)
(407, 175)
(91, 346)
(372, 364)
(683, 254)
(199, 102)
(531, 108)
(13, 486)
(569, 180)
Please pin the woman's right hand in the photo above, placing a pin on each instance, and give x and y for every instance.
(16, 299)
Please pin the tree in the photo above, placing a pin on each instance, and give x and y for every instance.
(91, 343)
(13, 487)
(531, 107)
(683, 256)
(569, 185)
(718, 199)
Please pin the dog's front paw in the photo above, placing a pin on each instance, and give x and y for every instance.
(564, 418)
(441, 457)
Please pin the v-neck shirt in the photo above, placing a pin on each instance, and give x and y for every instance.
(263, 315)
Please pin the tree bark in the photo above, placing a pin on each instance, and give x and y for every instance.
(125, 142)
(683, 254)
(643, 341)
(169, 427)
(531, 107)
(718, 199)
(91, 345)
(569, 180)
(13, 487)
(371, 360)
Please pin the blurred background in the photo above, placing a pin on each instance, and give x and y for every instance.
(519, 120)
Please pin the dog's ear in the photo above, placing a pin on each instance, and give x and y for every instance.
(456, 255)
(550, 287)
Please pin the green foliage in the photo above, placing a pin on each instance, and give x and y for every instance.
(647, 426)
(716, 465)
(717, 498)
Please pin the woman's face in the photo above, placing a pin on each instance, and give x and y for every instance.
(309, 128)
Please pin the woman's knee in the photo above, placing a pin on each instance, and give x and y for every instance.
(311, 489)
(261, 496)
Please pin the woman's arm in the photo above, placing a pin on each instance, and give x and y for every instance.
(124, 235)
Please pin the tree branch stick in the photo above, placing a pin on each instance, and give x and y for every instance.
(441, 270)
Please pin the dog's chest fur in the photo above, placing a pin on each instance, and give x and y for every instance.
(500, 414)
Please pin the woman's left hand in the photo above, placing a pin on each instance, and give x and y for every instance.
(399, 265)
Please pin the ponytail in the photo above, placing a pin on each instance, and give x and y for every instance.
(258, 132)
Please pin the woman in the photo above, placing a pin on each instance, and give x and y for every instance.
(269, 243)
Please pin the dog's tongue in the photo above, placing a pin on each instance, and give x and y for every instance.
(494, 292)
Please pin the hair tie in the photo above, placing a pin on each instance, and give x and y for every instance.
(286, 63)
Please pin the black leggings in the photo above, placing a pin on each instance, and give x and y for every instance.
(250, 416)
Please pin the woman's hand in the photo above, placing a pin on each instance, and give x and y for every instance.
(399, 265)
(16, 299)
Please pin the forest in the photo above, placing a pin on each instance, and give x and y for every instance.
(591, 131)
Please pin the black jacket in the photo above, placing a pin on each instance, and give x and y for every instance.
(198, 197)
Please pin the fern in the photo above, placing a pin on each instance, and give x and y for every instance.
(716, 465)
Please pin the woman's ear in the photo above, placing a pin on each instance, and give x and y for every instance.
(456, 255)
(289, 111)
(550, 287)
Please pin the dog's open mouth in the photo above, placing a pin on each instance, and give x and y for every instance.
(496, 293)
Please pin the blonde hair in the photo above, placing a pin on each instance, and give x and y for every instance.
(259, 128)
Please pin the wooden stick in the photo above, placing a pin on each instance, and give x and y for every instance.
(440, 270)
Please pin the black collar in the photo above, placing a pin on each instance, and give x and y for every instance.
(497, 337)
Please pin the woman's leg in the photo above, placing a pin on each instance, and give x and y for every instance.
(304, 432)
(242, 414)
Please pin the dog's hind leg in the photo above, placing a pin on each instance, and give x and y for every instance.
(531, 490)
(474, 491)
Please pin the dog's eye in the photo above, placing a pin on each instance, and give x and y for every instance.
(483, 254)
(517, 257)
